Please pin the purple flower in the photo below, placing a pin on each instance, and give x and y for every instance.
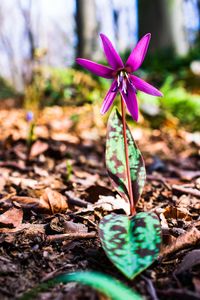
(123, 79)
(29, 116)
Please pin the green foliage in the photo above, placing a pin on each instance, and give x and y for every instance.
(6, 91)
(116, 161)
(70, 87)
(177, 102)
(105, 284)
(31, 135)
(69, 169)
(131, 244)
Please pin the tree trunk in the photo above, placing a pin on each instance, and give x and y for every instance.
(87, 28)
(165, 20)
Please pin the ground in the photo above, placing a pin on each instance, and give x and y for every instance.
(50, 208)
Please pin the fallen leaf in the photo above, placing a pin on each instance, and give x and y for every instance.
(50, 202)
(172, 212)
(196, 282)
(24, 182)
(38, 148)
(190, 238)
(186, 190)
(190, 260)
(57, 202)
(70, 226)
(110, 203)
(12, 218)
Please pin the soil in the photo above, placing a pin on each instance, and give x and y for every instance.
(49, 209)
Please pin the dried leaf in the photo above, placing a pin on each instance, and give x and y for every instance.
(172, 212)
(38, 148)
(70, 226)
(50, 202)
(196, 282)
(188, 239)
(110, 203)
(131, 244)
(190, 260)
(57, 202)
(11, 218)
(116, 162)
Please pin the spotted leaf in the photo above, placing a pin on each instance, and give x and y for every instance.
(132, 244)
(116, 161)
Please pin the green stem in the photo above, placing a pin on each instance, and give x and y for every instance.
(128, 173)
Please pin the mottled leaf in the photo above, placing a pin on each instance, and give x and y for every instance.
(132, 244)
(116, 162)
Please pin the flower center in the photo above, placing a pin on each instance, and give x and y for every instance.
(123, 82)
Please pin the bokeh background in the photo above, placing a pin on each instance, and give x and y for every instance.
(40, 39)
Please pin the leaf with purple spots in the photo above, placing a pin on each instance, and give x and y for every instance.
(132, 244)
(116, 161)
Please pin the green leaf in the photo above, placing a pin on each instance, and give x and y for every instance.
(116, 162)
(103, 283)
(131, 244)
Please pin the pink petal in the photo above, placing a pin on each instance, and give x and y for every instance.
(145, 87)
(112, 56)
(95, 68)
(131, 102)
(138, 54)
(109, 98)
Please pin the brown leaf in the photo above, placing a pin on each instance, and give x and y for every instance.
(110, 203)
(196, 282)
(172, 212)
(186, 190)
(188, 239)
(11, 218)
(50, 202)
(38, 148)
(57, 202)
(190, 260)
(70, 226)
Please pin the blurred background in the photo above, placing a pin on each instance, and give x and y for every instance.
(40, 39)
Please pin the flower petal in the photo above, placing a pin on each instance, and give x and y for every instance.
(95, 68)
(110, 96)
(145, 87)
(138, 54)
(111, 54)
(131, 102)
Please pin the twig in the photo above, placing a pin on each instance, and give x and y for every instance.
(160, 179)
(6, 292)
(150, 288)
(14, 165)
(191, 191)
(76, 201)
(66, 236)
(56, 272)
(174, 231)
(128, 172)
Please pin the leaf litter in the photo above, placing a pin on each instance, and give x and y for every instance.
(52, 201)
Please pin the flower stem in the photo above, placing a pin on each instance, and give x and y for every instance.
(128, 173)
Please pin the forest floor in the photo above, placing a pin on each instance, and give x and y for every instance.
(53, 197)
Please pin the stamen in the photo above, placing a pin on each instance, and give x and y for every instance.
(118, 81)
(115, 88)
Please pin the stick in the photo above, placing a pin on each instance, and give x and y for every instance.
(128, 173)
(66, 236)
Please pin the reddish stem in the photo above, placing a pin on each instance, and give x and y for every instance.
(128, 173)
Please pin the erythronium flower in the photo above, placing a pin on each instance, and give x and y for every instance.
(123, 79)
